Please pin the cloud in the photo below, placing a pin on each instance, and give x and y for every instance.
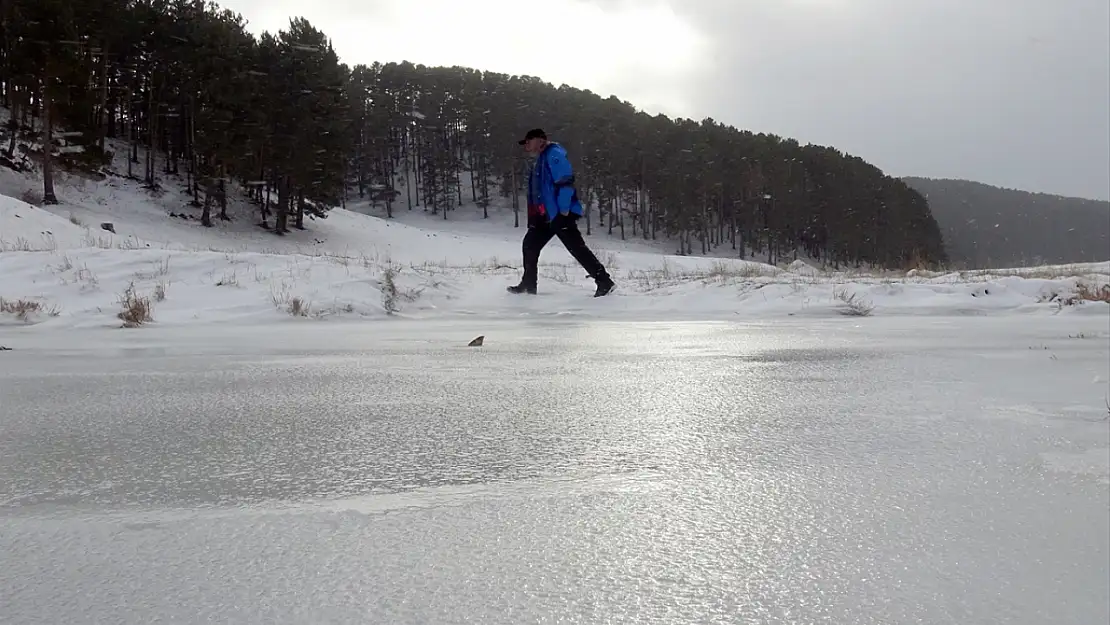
(1009, 92)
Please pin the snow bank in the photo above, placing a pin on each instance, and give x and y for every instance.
(84, 287)
(58, 268)
(24, 227)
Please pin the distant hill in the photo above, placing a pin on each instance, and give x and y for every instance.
(990, 227)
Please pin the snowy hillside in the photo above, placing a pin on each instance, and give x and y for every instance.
(60, 268)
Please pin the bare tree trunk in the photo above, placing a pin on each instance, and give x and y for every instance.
(281, 222)
(206, 214)
(457, 170)
(266, 204)
(223, 193)
(620, 216)
(151, 116)
(48, 197)
(587, 202)
(133, 157)
(408, 167)
(192, 147)
(516, 197)
(101, 122)
(13, 123)
(473, 184)
(611, 202)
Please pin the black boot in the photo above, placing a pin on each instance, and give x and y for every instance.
(522, 288)
(604, 286)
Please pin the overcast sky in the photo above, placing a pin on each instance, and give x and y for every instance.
(1014, 93)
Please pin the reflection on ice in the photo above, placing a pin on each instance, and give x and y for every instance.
(833, 471)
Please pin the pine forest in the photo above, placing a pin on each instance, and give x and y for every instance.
(280, 118)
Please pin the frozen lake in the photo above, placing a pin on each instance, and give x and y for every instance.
(844, 471)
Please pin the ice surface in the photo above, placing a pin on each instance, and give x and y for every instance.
(881, 470)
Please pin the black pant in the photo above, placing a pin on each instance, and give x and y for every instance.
(566, 228)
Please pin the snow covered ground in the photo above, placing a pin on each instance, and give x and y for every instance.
(59, 269)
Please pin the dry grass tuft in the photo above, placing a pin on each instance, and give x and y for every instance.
(555, 273)
(610, 260)
(21, 244)
(228, 279)
(718, 272)
(298, 307)
(24, 308)
(389, 290)
(135, 309)
(161, 268)
(1084, 292)
(854, 305)
(1088, 293)
(292, 304)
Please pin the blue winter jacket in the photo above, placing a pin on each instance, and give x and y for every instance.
(551, 186)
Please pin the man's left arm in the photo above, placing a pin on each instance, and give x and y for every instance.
(562, 177)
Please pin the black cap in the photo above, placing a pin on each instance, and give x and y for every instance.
(535, 133)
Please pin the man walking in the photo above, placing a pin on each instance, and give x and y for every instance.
(553, 211)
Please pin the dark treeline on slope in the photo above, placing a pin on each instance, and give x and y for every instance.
(281, 115)
(992, 227)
